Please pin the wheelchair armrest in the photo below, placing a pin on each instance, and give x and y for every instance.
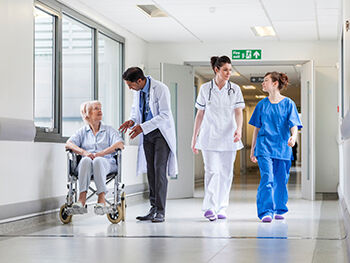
(73, 160)
(117, 154)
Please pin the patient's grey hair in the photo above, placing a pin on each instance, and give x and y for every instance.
(85, 109)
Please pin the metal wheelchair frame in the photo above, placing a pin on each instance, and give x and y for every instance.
(116, 209)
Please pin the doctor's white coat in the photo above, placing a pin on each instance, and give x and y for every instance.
(159, 103)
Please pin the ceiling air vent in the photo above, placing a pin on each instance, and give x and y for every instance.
(152, 11)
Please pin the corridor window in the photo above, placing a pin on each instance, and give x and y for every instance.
(44, 61)
(109, 79)
(77, 72)
(76, 60)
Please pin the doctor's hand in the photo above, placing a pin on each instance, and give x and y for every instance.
(291, 141)
(237, 136)
(135, 131)
(126, 125)
(193, 145)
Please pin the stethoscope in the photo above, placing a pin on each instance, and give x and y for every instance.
(228, 90)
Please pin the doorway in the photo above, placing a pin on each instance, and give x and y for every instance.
(300, 90)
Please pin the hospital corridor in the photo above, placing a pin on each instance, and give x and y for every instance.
(168, 131)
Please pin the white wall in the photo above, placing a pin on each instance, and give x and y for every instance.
(36, 171)
(325, 56)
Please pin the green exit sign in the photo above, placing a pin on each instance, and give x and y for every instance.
(246, 54)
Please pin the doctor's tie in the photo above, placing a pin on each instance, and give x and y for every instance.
(143, 96)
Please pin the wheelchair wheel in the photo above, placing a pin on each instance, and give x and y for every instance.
(123, 206)
(65, 219)
(116, 217)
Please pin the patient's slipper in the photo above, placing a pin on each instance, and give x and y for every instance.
(77, 205)
(100, 209)
(79, 208)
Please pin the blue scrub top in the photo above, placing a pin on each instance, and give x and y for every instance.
(275, 121)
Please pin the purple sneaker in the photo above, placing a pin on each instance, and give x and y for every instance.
(279, 217)
(266, 219)
(210, 215)
(221, 216)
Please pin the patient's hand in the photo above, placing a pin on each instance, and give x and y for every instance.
(88, 154)
(99, 154)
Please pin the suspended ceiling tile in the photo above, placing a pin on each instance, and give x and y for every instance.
(296, 30)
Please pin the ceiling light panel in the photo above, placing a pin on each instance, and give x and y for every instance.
(263, 31)
(152, 11)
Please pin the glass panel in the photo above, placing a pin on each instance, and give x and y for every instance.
(109, 79)
(44, 65)
(77, 73)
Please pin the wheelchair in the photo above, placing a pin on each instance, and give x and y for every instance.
(116, 208)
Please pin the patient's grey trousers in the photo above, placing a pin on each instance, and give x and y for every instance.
(99, 167)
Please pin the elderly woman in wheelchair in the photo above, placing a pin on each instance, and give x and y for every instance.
(96, 143)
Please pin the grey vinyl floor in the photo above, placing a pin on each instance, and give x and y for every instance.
(311, 232)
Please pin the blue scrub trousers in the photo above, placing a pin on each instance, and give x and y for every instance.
(272, 194)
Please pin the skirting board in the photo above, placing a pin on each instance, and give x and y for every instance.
(42, 206)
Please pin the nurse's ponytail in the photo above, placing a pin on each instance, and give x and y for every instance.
(218, 62)
(280, 77)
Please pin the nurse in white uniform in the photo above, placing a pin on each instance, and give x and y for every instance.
(217, 133)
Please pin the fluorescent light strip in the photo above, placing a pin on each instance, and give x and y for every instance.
(248, 87)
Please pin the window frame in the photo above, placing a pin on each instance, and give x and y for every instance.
(57, 10)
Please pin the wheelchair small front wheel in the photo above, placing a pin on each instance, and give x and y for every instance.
(64, 217)
(115, 217)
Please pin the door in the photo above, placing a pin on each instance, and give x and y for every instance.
(180, 80)
(308, 134)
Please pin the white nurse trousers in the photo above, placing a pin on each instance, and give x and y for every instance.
(218, 177)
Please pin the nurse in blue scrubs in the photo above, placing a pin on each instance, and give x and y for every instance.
(276, 122)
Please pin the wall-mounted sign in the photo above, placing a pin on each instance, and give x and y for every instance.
(246, 54)
(256, 79)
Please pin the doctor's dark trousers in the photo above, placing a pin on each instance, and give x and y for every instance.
(272, 194)
(157, 153)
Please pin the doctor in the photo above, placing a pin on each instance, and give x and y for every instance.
(217, 132)
(151, 117)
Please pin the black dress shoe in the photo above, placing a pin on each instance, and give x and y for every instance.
(149, 216)
(159, 218)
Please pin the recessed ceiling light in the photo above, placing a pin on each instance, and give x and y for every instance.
(248, 87)
(260, 96)
(263, 31)
(152, 11)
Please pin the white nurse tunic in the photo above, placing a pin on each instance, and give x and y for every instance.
(216, 140)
